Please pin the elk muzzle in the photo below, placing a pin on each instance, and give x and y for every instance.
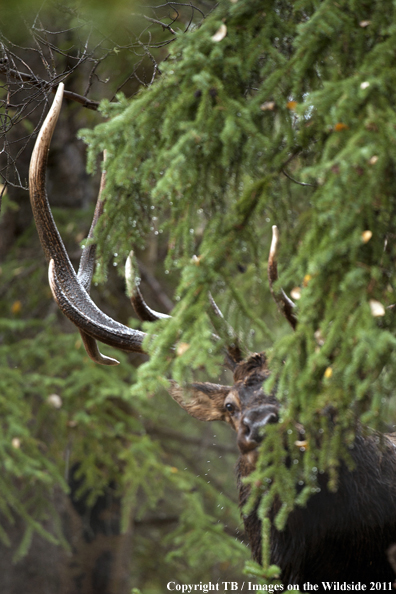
(251, 428)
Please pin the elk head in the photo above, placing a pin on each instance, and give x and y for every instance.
(244, 405)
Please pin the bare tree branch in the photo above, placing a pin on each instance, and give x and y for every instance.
(296, 181)
(67, 43)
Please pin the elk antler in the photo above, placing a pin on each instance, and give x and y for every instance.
(71, 290)
(233, 352)
(68, 289)
(284, 303)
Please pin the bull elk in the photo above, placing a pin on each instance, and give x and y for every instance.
(342, 535)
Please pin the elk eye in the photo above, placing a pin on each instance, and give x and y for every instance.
(230, 407)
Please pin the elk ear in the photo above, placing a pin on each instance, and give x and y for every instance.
(203, 401)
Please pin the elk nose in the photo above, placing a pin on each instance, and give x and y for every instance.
(250, 433)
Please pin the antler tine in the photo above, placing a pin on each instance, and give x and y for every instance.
(284, 303)
(142, 310)
(233, 352)
(86, 270)
(87, 260)
(67, 289)
(85, 273)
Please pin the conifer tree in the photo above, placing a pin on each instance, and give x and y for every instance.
(272, 112)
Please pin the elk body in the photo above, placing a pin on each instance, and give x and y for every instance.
(338, 536)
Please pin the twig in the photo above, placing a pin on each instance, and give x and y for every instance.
(291, 157)
(298, 182)
(39, 82)
(156, 22)
(177, 4)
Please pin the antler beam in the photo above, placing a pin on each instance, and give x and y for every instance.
(69, 290)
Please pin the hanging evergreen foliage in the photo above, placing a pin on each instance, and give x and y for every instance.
(272, 112)
(64, 417)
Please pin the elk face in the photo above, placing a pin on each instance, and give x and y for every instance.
(244, 406)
